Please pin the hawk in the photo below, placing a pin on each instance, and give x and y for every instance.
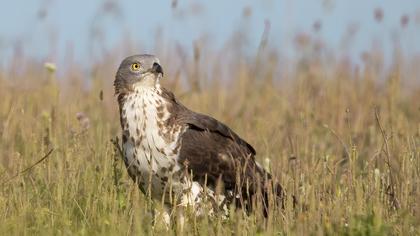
(181, 157)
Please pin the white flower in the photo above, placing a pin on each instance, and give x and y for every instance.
(50, 67)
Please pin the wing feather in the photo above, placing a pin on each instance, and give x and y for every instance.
(205, 123)
(213, 152)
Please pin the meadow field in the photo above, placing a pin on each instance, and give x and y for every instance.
(341, 136)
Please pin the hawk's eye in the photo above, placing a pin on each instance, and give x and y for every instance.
(135, 66)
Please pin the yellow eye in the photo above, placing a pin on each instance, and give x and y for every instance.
(135, 66)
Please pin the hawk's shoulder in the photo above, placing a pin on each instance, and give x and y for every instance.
(203, 122)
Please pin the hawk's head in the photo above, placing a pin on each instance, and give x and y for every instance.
(137, 70)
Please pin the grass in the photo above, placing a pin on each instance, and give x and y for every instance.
(344, 141)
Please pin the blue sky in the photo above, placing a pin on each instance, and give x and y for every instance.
(67, 23)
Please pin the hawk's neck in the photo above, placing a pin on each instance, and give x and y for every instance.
(145, 117)
(142, 102)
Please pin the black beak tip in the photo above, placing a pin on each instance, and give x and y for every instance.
(157, 68)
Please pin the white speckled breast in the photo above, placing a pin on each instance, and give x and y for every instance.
(151, 144)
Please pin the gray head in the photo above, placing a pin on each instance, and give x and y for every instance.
(137, 70)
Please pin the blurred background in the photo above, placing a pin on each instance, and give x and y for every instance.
(88, 32)
(327, 91)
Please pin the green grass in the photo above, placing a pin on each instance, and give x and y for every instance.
(318, 130)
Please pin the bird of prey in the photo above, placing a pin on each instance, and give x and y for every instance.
(181, 157)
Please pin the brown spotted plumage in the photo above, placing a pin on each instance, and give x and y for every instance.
(180, 156)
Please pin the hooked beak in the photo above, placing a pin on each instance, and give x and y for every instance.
(157, 69)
